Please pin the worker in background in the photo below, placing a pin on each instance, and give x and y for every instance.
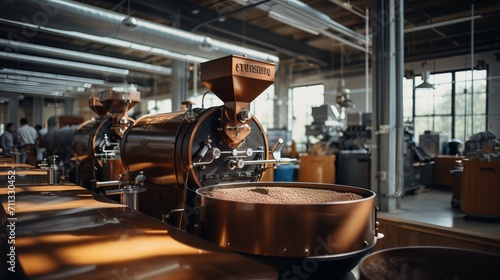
(40, 146)
(27, 139)
(7, 140)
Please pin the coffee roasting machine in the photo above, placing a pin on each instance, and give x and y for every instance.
(184, 154)
(164, 164)
(96, 145)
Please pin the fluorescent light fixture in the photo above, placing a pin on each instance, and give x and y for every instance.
(276, 16)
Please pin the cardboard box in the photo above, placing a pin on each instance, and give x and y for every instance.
(480, 193)
(317, 169)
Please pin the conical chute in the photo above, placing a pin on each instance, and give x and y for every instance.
(237, 81)
(237, 78)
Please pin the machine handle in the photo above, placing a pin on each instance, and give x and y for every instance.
(107, 183)
(263, 161)
(276, 152)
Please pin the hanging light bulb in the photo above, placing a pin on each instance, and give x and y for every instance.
(343, 93)
(425, 77)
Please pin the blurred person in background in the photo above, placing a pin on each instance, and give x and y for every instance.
(7, 140)
(40, 147)
(27, 139)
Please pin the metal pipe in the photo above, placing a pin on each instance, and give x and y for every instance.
(35, 90)
(74, 16)
(399, 36)
(344, 41)
(107, 183)
(439, 24)
(65, 64)
(43, 81)
(87, 57)
(348, 7)
(263, 161)
(316, 16)
(367, 62)
(472, 63)
(50, 76)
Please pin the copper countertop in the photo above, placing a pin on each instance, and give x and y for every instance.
(62, 232)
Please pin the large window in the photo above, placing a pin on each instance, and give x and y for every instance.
(301, 101)
(456, 106)
(263, 108)
(470, 103)
(159, 106)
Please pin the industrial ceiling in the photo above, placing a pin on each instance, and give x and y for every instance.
(67, 49)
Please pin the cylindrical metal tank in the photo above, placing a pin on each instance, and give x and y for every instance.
(93, 143)
(169, 148)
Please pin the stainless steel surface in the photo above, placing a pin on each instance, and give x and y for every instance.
(429, 263)
(290, 230)
(63, 232)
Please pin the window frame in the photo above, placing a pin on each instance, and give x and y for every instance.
(470, 129)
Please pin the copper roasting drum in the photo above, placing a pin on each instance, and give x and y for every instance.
(338, 234)
(429, 263)
(290, 230)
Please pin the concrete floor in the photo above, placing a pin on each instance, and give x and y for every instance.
(434, 207)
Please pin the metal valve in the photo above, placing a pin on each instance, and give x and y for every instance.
(244, 116)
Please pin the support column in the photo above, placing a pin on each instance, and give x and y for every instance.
(281, 86)
(179, 87)
(68, 107)
(387, 94)
(37, 110)
(14, 110)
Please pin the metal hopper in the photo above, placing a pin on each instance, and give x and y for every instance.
(237, 81)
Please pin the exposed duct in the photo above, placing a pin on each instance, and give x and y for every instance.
(65, 64)
(301, 16)
(72, 16)
(313, 17)
(110, 42)
(5, 90)
(50, 76)
(89, 84)
(80, 56)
